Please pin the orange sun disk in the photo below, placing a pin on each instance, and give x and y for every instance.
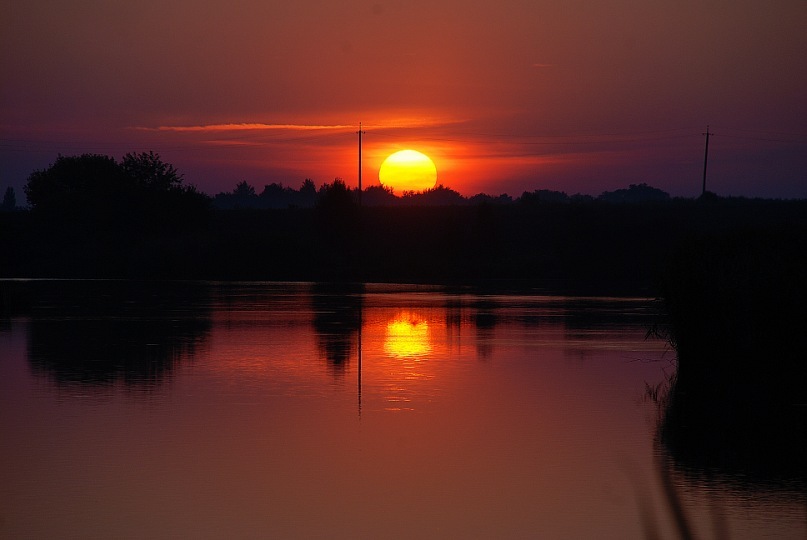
(408, 170)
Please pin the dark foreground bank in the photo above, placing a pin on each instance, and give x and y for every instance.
(595, 248)
(736, 302)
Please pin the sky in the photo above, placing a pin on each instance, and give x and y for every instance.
(580, 96)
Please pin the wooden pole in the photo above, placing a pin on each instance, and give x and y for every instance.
(705, 159)
(360, 132)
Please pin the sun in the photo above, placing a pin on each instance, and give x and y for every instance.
(408, 170)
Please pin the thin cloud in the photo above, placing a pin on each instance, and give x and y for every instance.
(247, 127)
(398, 122)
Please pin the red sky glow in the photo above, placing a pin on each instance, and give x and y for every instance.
(505, 97)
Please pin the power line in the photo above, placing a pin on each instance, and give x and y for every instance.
(766, 132)
(764, 139)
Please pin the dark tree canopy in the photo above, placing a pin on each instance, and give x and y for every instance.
(308, 188)
(337, 218)
(274, 195)
(379, 196)
(89, 189)
(439, 195)
(149, 171)
(640, 193)
(542, 196)
(76, 183)
(277, 196)
(335, 196)
(93, 188)
(243, 196)
(9, 200)
(243, 189)
(484, 198)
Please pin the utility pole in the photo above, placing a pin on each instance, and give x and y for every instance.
(705, 158)
(360, 132)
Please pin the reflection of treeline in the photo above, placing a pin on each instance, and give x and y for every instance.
(337, 320)
(103, 332)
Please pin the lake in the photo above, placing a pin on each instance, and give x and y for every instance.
(295, 410)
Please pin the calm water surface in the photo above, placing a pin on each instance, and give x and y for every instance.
(260, 410)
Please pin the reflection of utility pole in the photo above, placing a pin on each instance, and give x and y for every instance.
(359, 382)
(360, 229)
(360, 132)
(705, 157)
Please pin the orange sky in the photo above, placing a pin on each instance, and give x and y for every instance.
(579, 96)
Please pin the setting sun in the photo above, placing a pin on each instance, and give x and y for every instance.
(408, 170)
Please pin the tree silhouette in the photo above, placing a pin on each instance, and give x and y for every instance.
(380, 196)
(635, 194)
(541, 196)
(9, 200)
(335, 197)
(243, 196)
(274, 195)
(150, 172)
(439, 195)
(337, 221)
(308, 193)
(243, 189)
(94, 189)
(81, 187)
(483, 198)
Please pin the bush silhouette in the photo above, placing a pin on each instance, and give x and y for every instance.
(95, 189)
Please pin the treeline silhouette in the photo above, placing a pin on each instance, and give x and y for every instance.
(278, 196)
(91, 216)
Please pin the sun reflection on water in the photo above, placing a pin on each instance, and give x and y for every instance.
(408, 336)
